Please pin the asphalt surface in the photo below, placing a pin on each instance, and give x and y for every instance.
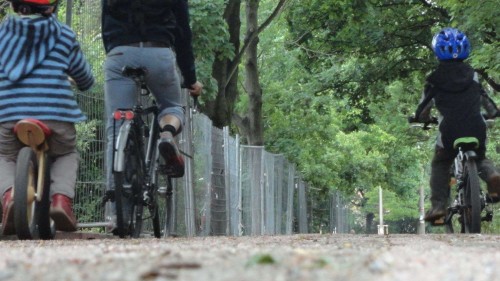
(82, 256)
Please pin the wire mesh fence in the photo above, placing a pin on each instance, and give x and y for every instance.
(228, 188)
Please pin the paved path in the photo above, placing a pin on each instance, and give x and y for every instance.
(297, 257)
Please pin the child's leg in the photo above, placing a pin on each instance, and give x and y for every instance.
(440, 183)
(9, 148)
(489, 173)
(62, 145)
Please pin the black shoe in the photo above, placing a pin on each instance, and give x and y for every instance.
(436, 215)
(174, 163)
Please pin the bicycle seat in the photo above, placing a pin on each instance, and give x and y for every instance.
(466, 143)
(132, 72)
(31, 132)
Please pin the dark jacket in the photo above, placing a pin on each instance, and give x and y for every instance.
(458, 98)
(164, 21)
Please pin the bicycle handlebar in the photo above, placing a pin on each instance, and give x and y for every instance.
(486, 117)
(426, 124)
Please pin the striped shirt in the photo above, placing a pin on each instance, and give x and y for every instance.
(37, 54)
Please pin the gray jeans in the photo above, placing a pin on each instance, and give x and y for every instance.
(121, 92)
(62, 150)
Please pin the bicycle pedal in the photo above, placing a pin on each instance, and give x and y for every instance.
(163, 191)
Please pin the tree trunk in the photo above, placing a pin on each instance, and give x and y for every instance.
(252, 84)
(220, 109)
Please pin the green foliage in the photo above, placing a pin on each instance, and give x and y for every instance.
(341, 82)
(394, 207)
(210, 40)
(480, 22)
(261, 259)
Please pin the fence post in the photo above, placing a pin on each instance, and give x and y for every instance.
(69, 12)
(302, 207)
(189, 214)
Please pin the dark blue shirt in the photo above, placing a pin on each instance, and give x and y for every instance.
(163, 21)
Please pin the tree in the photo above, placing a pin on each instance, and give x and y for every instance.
(225, 70)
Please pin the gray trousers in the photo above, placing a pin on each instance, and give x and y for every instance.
(121, 92)
(62, 150)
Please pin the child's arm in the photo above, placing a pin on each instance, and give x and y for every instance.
(79, 69)
(489, 105)
(423, 112)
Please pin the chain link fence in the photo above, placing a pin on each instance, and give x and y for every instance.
(228, 188)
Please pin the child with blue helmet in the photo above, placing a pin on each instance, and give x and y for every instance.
(454, 89)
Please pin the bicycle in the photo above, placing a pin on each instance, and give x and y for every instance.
(136, 163)
(32, 182)
(470, 200)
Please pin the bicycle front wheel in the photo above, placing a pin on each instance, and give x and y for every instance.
(471, 214)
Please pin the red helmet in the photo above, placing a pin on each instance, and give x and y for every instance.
(44, 7)
(36, 2)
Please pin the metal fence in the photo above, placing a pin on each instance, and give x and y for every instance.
(228, 188)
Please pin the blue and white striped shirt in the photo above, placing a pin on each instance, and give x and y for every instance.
(37, 55)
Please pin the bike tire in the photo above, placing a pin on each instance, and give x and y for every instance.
(24, 194)
(120, 225)
(152, 198)
(154, 206)
(169, 209)
(46, 226)
(138, 211)
(128, 201)
(472, 210)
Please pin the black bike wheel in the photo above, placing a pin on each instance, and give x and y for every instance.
(46, 227)
(472, 211)
(153, 190)
(120, 225)
(149, 199)
(128, 190)
(24, 194)
(169, 209)
(138, 212)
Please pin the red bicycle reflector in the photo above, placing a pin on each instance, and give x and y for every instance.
(127, 115)
(117, 115)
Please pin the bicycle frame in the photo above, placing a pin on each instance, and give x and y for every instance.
(32, 199)
(137, 124)
(31, 134)
(459, 204)
(123, 133)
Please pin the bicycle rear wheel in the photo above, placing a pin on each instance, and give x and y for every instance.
(150, 197)
(471, 214)
(128, 189)
(153, 207)
(46, 226)
(31, 217)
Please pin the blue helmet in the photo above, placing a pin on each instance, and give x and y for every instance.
(451, 44)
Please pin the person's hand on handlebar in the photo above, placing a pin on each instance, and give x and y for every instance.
(195, 89)
(426, 123)
(413, 119)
